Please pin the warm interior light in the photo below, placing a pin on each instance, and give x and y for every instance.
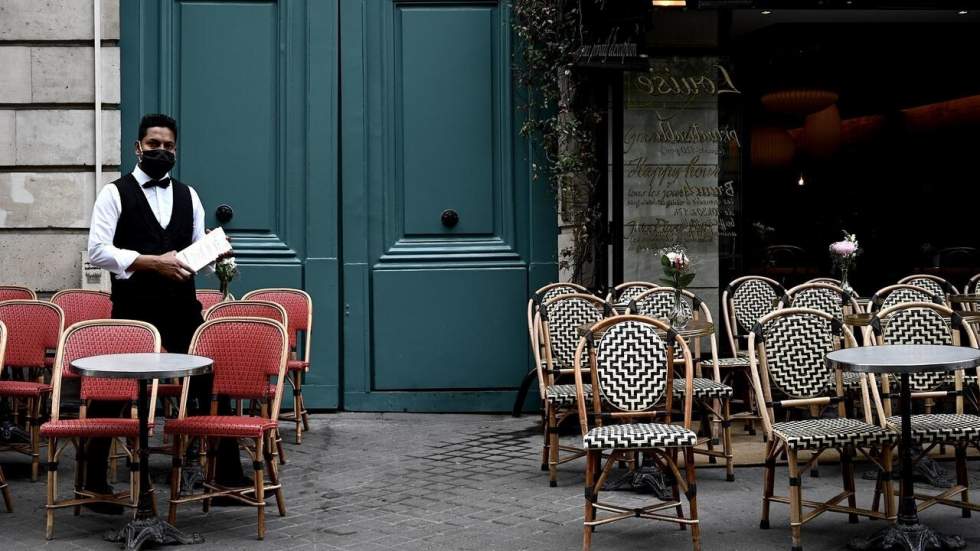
(669, 3)
(962, 12)
(766, 12)
(801, 182)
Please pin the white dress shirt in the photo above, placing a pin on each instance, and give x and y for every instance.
(105, 216)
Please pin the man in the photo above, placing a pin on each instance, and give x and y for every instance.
(139, 222)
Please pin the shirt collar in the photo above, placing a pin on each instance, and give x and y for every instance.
(142, 177)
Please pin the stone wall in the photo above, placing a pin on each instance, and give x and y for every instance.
(47, 135)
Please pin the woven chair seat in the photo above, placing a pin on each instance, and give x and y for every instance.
(23, 389)
(297, 365)
(91, 428)
(639, 436)
(564, 395)
(704, 388)
(813, 434)
(940, 427)
(852, 379)
(729, 363)
(169, 390)
(228, 426)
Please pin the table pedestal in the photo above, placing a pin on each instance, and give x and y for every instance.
(907, 533)
(146, 526)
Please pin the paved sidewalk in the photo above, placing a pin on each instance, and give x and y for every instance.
(451, 482)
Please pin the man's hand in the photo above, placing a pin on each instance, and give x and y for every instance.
(169, 266)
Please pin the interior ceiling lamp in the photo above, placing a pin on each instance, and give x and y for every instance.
(821, 133)
(669, 3)
(798, 102)
(772, 148)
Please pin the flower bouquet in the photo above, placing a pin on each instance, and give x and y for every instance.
(226, 269)
(843, 254)
(679, 274)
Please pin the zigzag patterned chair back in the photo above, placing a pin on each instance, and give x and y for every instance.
(659, 303)
(920, 323)
(625, 292)
(973, 285)
(934, 284)
(745, 301)
(901, 293)
(559, 320)
(824, 297)
(543, 294)
(790, 347)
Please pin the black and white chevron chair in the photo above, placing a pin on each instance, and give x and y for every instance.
(928, 323)
(900, 293)
(712, 397)
(556, 323)
(787, 350)
(743, 302)
(630, 361)
(625, 292)
(934, 284)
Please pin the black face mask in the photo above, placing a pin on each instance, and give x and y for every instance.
(157, 162)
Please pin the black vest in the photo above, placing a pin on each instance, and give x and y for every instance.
(139, 230)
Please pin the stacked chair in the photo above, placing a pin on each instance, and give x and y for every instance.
(210, 297)
(712, 397)
(625, 292)
(15, 292)
(934, 284)
(93, 338)
(630, 363)
(901, 293)
(787, 349)
(4, 489)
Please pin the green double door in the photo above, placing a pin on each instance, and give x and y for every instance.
(368, 151)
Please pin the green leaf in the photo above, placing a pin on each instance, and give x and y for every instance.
(664, 261)
(686, 279)
(667, 282)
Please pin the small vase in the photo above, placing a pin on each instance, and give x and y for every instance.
(679, 315)
(844, 284)
(224, 289)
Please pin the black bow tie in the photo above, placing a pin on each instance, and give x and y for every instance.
(164, 183)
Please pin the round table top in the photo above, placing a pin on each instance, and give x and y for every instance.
(147, 365)
(967, 298)
(904, 358)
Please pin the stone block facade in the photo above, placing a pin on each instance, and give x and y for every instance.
(47, 135)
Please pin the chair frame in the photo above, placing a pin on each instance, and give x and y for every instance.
(716, 408)
(775, 445)
(548, 373)
(299, 415)
(4, 487)
(665, 457)
(130, 447)
(259, 449)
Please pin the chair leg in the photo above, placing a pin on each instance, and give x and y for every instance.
(591, 495)
(297, 415)
(34, 428)
(552, 448)
(768, 480)
(178, 460)
(545, 447)
(260, 487)
(726, 439)
(676, 490)
(692, 498)
(79, 472)
(210, 471)
(134, 475)
(889, 488)
(7, 501)
(962, 479)
(302, 407)
(273, 474)
(847, 474)
(795, 499)
(52, 488)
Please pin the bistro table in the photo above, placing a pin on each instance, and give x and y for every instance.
(904, 360)
(144, 367)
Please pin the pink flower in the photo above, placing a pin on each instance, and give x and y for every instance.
(843, 248)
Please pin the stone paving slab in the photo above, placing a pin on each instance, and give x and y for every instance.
(365, 482)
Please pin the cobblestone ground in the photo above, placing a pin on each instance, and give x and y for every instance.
(451, 482)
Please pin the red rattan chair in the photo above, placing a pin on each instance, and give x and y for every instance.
(16, 292)
(94, 338)
(3, 481)
(299, 308)
(34, 327)
(254, 309)
(83, 305)
(244, 351)
(210, 297)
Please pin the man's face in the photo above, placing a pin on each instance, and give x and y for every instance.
(157, 137)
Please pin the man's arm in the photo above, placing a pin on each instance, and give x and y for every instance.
(123, 262)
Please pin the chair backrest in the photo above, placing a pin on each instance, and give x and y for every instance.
(543, 294)
(973, 285)
(299, 312)
(828, 280)
(630, 360)
(83, 305)
(744, 301)
(787, 353)
(824, 297)
(627, 291)
(900, 293)
(33, 327)
(559, 320)
(95, 338)
(210, 297)
(16, 292)
(250, 309)
(934, 284)
(245, 351)
(920, 323)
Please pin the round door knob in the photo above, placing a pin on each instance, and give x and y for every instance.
(450, 218)
(224, 214)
